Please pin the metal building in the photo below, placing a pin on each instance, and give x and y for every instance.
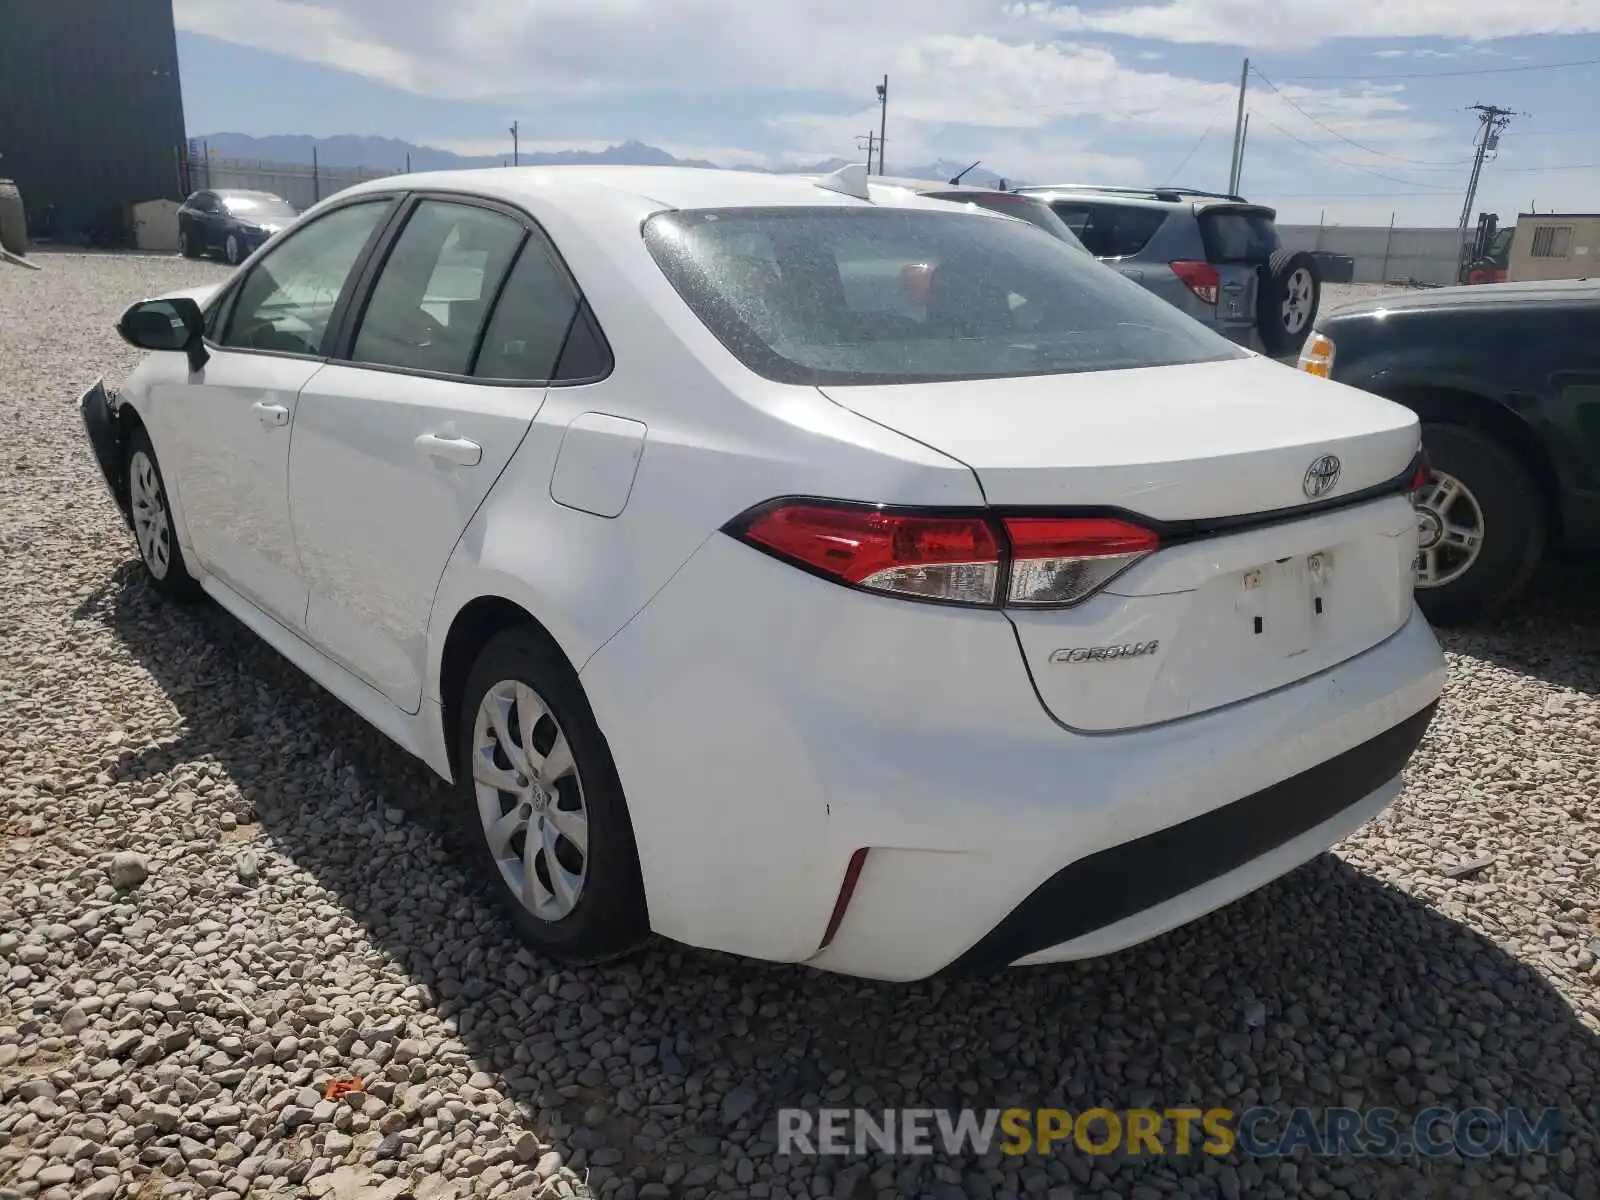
(91, 112)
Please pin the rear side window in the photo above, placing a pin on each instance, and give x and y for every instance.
(1110, 230)
(531, 321)
(1234, 235)
(862, 296)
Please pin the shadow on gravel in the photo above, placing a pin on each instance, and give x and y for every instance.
(1324, 989)
(1552, 631)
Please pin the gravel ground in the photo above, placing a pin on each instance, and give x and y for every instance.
(218, 891)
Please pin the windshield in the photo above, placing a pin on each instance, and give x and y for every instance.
(870, 296)
(259, 207)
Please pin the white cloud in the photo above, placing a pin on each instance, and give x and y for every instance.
(1293, 24)
(1005, 81)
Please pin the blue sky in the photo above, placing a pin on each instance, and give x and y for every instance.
(1357, 106)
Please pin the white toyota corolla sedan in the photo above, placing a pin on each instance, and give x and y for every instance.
(798, 568)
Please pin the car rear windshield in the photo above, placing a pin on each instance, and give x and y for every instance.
(1235, 235)
(1110, 230)
(874, 296)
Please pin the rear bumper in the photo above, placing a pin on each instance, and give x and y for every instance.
(767, 726)
(1106, 893)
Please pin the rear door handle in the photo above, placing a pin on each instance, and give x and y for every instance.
(451, 449)
(270, 414)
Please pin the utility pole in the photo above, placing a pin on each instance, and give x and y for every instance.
(1237, 162)
(883, 119)
(515, 128)
(1491, 121)
(872, 141)
(1238, 175)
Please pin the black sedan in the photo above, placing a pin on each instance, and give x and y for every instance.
(231, 222)
(1506, 380)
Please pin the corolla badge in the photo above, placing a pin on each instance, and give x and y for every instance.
(1322, 476)
(1081, 654)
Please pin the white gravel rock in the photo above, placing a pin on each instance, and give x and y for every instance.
(298, 921)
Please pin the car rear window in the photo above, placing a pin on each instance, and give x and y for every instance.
(1233, 235)
(872, 296)
(1110, 230)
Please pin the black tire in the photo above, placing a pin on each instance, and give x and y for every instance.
(147, 493)
(233, 250)
(610, 917)
(186, 245)
(1272, 295)
(1513, 523)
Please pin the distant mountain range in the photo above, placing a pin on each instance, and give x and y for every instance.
(390, 154)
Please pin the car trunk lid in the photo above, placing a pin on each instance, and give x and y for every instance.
(1273, 565)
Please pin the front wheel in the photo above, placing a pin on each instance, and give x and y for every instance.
(541, 807)
(233, 250)
(1480, 525)
(186, 245)
(153, 527)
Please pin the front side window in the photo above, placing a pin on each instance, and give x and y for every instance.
(847, 296)
(287, 300)
(433, 294)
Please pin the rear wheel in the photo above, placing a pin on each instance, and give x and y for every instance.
(1480, 525)
(152, 523)
(1287, 301)
(541, 808)
(233, 250)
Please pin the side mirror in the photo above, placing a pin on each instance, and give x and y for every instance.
(176, 324)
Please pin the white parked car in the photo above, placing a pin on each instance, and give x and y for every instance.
(800, 569)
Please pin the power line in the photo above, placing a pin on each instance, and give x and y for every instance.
(1172, 174)
(1325, 156)
(1343, 195)
(1578, 62)
(1415, 162)
(1567, 167)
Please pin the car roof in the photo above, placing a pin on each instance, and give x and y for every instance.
(1479, 296)
(649, 188)
(1172, 198)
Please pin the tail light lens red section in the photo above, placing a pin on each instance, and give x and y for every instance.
(1201, 278)
(953, 559)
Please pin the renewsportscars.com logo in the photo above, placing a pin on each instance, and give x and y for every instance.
(1255, 1132)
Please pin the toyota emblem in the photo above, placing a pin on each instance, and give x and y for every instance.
(1322, 477)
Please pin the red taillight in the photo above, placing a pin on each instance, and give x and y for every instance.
(960, 559)
(937, 558)
(1201, 278)
(1058, 560)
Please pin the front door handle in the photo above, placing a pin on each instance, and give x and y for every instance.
(270, 414)
(457, 450)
